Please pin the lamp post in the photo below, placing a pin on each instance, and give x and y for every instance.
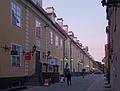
(79, 66)
(66, 63)
(71, 64)
(115, 4)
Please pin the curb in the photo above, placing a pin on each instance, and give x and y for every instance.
(107, 86)
(15, 88)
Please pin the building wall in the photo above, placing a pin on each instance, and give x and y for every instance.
(113, 22)
(77, 56)
(44, 28)
(10, 33)
(26, 37)
(67, 51)
(86, 63)
(56, 51)
(115, 68)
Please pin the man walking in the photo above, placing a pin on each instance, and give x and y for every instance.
(68, 75)
(83, 73)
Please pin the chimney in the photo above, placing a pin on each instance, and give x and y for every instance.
(60, 22)
(71, 34)
(75, 39)
(38, 2)
(78, 41)
(51, 13)
(80, 45)
(85, 49)
(65, 27)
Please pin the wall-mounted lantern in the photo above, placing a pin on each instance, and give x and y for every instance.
(48, 53)
(65, 59)
(71, 59)
(14, 52)
(6, 48)
(33, 50)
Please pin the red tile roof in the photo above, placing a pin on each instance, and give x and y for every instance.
(40, 9)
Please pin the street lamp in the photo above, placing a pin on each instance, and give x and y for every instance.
(71, 59)
(71, 64)
(65, 63)
(65, 59)
(110, 3)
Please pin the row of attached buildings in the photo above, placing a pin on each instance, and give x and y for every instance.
(35, 46)
(112, 48)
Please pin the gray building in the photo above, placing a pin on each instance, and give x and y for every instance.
(113, 31)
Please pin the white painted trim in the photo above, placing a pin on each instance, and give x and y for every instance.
(20, 53)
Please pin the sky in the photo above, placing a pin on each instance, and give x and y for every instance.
(87, 19)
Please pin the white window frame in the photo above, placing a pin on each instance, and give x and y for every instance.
(51, 37)
(18, 13)
(16, 55)
(37, 25)
(61, 43)
(56, 41)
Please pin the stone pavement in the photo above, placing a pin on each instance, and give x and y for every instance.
(89, 83)
(97, 85)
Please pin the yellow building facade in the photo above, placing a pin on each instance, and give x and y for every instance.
(31, 44)
(34, 45)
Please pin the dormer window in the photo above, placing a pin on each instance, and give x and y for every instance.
(51, 13)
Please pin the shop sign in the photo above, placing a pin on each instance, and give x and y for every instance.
(28, 56)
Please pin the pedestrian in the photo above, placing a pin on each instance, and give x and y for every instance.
(68, 76)
(83, 73)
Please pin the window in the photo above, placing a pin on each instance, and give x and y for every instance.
(55, 68)
(61, 44)
(50, 68)
(16, 59)
(56, 40)
(38, 24)
(38, 28)
(51, 38)
(16, 14)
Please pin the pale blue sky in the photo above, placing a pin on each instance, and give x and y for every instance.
(86, 18)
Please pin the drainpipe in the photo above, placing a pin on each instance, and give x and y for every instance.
(70, 56)
(63, 55)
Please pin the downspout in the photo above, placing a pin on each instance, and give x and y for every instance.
(70, 57)
(64, 55)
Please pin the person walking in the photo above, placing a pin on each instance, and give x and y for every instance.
(68, 76)
(83, 73)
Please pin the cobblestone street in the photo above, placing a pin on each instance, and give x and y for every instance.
(89, 83)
